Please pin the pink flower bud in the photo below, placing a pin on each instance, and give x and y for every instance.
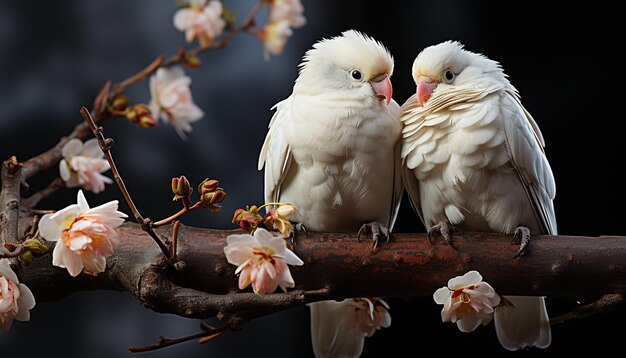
(208, 185)
(119, 102)
(248, 219)
(181, 187)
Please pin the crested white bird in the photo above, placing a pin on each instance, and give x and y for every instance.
(332, 151)
(473, 157)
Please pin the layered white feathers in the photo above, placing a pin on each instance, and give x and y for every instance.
(332, 150)
(473, 156)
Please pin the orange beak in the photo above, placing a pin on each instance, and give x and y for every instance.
(425, 88)
(382, 86)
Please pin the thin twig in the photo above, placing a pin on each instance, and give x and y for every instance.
(105, 145)
(170, 218)
(150, 69)
(52, 188)
(6, 254)
(49, 158)
(175, 229)
(166, 342)
(602, 304)
(42, 211)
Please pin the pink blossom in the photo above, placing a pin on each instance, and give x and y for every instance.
(172, 101)
(200, 21)
(275, 36)
(288, 10)
(85, 236)
(262, 261)
(468, 301)
(16, 300)
(82, 164)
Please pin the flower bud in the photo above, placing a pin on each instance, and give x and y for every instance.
(247, 219)
(181, 188)
(214, 197)
(119, 102)
(286, 210)
(140, 114)
(36, 247)
(26, 257)
(191, 60)
(208, 185)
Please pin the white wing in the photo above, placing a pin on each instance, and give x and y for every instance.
(275, 153)
(525, 144)
(411, 183)
(398, 188)
(526, 323)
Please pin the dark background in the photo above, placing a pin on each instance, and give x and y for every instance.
(56, 55)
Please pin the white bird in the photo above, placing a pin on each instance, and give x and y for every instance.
(473, 157)
(332, 151)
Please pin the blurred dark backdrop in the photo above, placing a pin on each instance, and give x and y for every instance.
(56, 55)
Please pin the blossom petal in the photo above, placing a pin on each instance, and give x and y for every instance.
(468, 323)
(64, 258)
(286, 280)
(269, 268)
(241, 238)
(7, 271)
(442, 295)
(91, 149)
(244, 278)
(25, 303)
(72, 148)
(469, 279)
(49, 228)
(291, 258)
(79, 242)
(64, 170)
(265, 238)
(82, 202)
(182, 18)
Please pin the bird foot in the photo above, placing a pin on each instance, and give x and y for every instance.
(521, 235)
(377, 230)
(442, 229)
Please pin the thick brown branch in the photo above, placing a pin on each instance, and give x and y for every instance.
(338, 266)
(9, 200)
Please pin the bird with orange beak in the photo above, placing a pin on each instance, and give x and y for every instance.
(332, 151)
(473, 157)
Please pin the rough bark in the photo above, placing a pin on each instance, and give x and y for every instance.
(338, 266)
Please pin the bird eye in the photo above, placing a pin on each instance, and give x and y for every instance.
(448, 76)
(356, 74)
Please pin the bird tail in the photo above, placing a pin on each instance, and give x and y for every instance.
(523, 323)
(332, 333)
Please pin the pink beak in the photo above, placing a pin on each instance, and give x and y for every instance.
(425, 88)
(382, 86)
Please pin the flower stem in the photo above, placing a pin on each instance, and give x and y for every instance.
(268, 204)
(171, 218)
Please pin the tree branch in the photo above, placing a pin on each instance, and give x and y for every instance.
(105, 145)
(9, 200)
(336, 266)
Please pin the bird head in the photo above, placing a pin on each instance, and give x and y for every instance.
(448, 64)
(352, 63)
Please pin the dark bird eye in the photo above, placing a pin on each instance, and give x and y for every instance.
(356, 74)
(448, 76)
